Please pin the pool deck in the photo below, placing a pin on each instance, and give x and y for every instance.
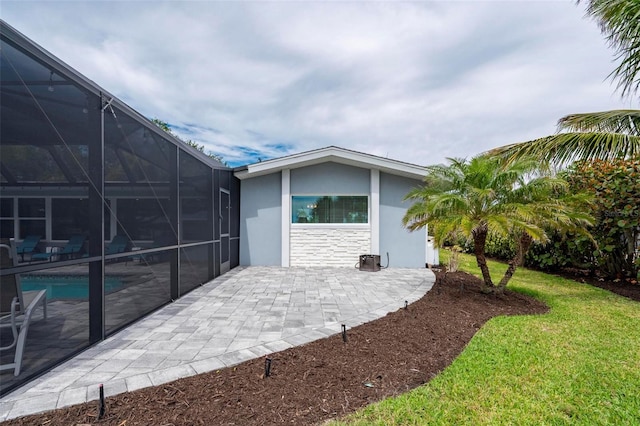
(244, 314)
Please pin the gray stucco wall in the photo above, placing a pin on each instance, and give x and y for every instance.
(406, 249)
(330, 178)
(260, 220)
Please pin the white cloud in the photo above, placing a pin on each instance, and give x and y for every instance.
(416, 81)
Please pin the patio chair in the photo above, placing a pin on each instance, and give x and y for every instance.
(16, 307)
(28, 245)
(162, 240)
(117, 245)
(73, 247)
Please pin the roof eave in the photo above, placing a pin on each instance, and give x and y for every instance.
(332, 154)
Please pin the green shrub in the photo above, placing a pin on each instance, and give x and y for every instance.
(616, 189)
(562, 252)
(500, 248)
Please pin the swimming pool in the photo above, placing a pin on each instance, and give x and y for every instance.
(67, 286)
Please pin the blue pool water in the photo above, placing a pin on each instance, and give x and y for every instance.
(66, 286)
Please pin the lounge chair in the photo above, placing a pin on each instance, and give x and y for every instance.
(72, 248)
(162, 241)
(16, 307)
(118, 244)
(28, 245)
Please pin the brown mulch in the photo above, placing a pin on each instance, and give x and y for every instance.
(624, 287)
(321, 380)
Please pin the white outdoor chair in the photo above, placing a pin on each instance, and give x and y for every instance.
(16, 307)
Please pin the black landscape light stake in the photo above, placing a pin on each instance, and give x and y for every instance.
(267, 367)
(344, 333)
(102, 407)
(406, 305)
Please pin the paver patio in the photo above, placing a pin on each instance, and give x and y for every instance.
(244, 314)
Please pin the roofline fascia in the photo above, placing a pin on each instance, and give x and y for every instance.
(331, 154)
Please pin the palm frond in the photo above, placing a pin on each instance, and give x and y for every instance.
(625, 121)
(563, 148)
(619, 20)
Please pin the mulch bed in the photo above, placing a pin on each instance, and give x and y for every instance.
(321, 380)
(625, 287)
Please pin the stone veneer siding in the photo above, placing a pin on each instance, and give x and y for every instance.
(328, 246)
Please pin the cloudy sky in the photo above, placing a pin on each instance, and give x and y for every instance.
(415, 81)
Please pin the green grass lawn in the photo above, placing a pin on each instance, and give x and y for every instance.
(578, 364)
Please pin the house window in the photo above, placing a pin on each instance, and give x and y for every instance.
(6, 218)
(32, 220)
(70, 216)
(330, 209)
(145, 219)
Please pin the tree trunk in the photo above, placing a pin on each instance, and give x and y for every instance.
(479, 241)
(522, 247)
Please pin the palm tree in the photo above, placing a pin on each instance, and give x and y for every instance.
(482, 197)
(604, 135)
